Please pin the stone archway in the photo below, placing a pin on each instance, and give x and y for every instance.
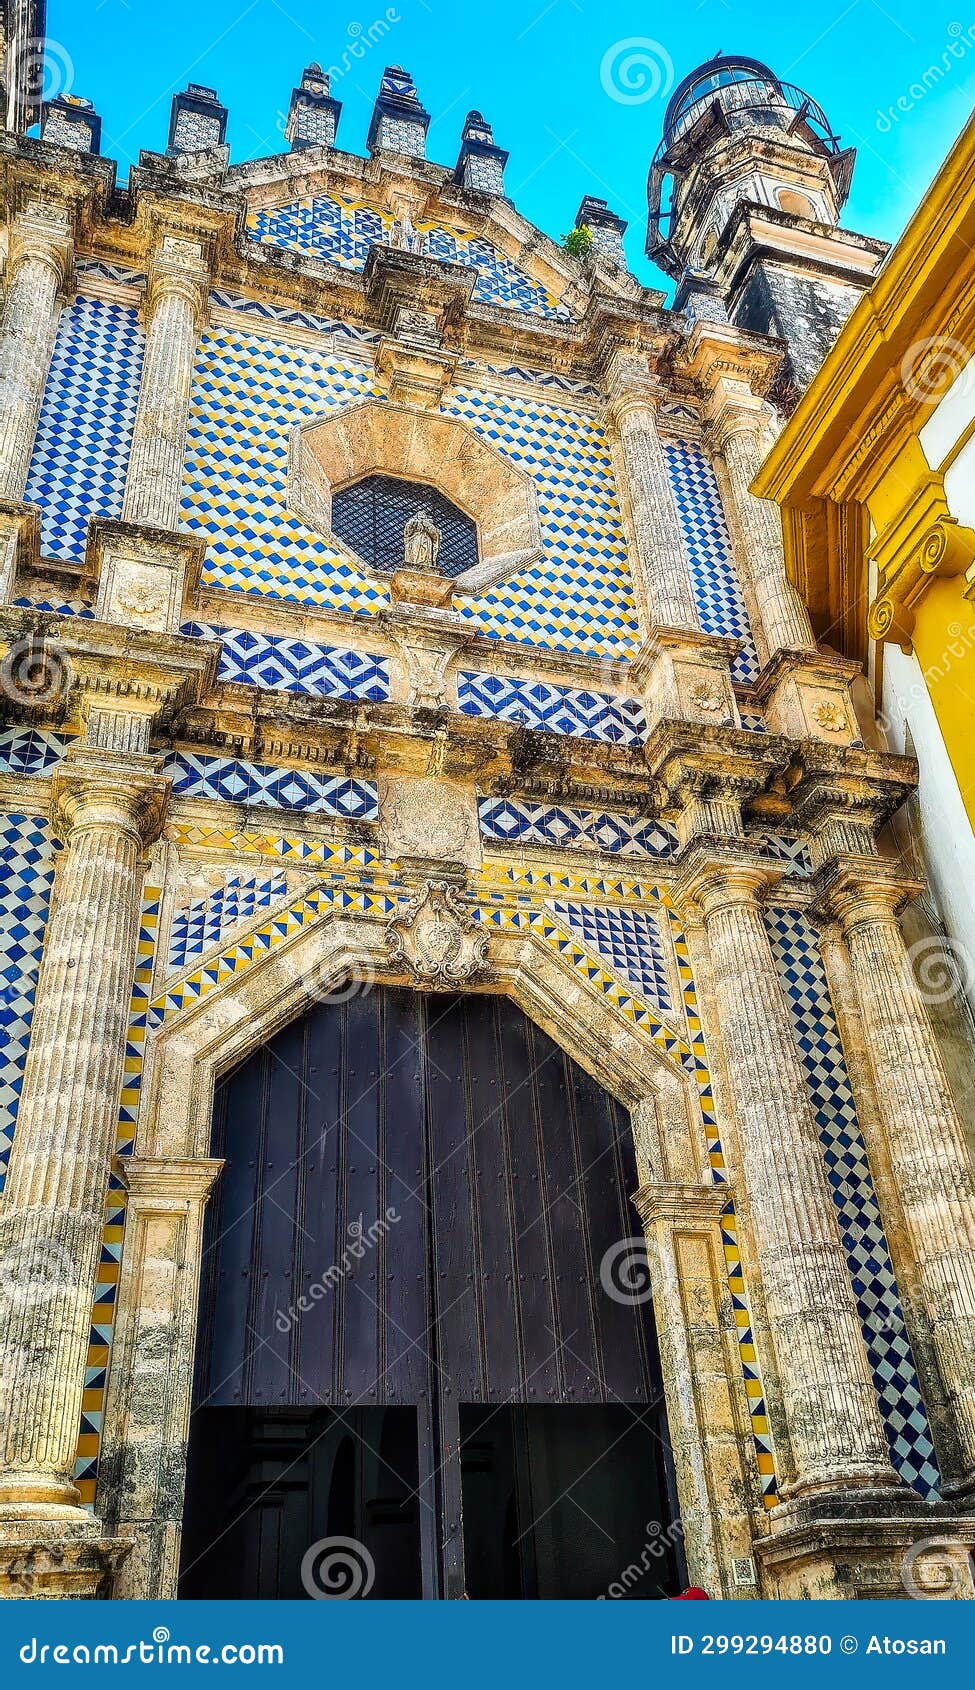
(150, 1388)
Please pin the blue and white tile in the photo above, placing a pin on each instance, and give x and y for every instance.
(796, 949)
(553, 709)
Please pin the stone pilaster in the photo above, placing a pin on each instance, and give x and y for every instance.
(147, 1411)
(38, 267)
(834, 1431)
(924, 1140)
(109, 803)
(175, 308)
(740, 427)
(662, 572)
(702, 1374)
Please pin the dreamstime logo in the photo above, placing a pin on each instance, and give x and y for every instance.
(937, 1569)
(942, 968)
(636, 70)
(342, 974)
(337, 1569)
(624, 1272)
(929, 367)
(35, 1272)
(961, 39)
(45, 68)
(361, 1240)
(655, 1549)
(362, 39)
(35, 671)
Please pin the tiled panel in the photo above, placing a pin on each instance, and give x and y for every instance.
(338, 230)
(499, 280)
(516, 822)
(31, 751)
(27, 855)
(785, 848)
(37, 600)
(794, 943)
(717, 590)
(248, 393)
(628, 940)
(234, 781)
(200, 925)
(289, 318)
(280, 664)
(229, 780)
(341, 231)
(580, 596)
(561, 710)
(85, 430)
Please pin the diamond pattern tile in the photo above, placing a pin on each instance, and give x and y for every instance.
(27, 854)
(516, 822)
(249, 391)
(204, 922)
(341, 230)
(628, 940)
(31, 751)
(717, 590)
(235, 781)
(796, 950)
(562, 710)
(579, 597)
(277, 663)
(82, 448)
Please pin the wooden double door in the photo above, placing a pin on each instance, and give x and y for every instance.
(408, 1338)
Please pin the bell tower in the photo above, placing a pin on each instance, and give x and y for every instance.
(745, 194)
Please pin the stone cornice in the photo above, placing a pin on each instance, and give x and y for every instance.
(689, 1207)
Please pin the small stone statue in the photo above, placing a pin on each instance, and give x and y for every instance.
(421, 541)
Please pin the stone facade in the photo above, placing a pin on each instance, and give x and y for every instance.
(607, 772)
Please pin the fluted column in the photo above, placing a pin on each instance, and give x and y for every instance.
(830, 1405)
(663, 573)
(175, 307)
(924, 1140)
(109, 803)
(741, 435)
(37, 269)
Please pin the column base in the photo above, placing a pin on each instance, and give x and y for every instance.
(855, 1546)
(57, 1564)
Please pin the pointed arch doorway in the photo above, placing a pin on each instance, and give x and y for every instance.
(409, 1341)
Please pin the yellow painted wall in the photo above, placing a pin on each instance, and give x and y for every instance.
(944, 641)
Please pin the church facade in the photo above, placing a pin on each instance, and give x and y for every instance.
(464, 1074)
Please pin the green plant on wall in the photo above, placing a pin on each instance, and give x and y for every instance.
(578, 242)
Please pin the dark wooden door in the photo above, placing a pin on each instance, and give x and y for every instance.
(418, 1195)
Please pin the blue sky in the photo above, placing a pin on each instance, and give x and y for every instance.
(897, 81)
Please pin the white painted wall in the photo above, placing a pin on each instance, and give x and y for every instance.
(946, 834)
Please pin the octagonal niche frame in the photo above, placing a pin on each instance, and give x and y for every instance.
(380, 437)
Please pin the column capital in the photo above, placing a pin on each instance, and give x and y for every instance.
(95, 789)
(179, 268)
(858, 891)
(690, 1206)
(42, 231)
(160, 1184)
(716, 874)
(722, 357)
(843, 796)
(707, 773)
